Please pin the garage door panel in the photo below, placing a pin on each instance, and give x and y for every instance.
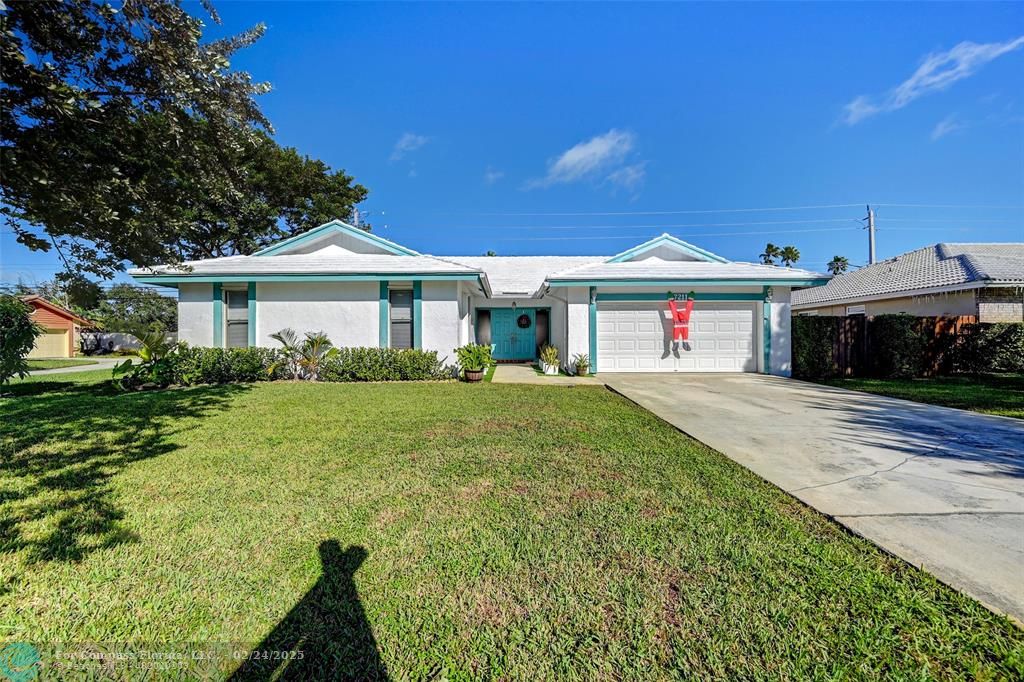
(637, 337)
(52, 343)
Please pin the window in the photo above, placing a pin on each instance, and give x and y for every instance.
(855, 310)
(401, 317)
(237, 319)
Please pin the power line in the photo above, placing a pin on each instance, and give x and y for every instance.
(686, 212)
(1000, 208)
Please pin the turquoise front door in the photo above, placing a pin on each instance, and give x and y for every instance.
(514, 333)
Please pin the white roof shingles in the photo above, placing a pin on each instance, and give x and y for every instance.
(931, 267)
(313, 263)
(522, 275)
(657, 269)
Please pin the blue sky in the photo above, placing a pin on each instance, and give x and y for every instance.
(515, 127)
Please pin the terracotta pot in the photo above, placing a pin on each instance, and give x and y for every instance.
(473, 375)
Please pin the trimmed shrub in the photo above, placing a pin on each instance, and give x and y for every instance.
(897, 347)
(384, 364)
(194, 366)
(813, 342)
(997, 347)
(18, 334)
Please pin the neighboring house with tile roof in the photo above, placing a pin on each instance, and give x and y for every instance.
(984, 280)
(363, 290)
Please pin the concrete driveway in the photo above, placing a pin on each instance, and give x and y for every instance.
(940, 487)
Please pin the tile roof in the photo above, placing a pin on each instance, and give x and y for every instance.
(936, 266)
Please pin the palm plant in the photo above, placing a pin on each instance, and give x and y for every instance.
(771, 252)
(315, 349)
(838, 265)
(789, 255)
(303, 359)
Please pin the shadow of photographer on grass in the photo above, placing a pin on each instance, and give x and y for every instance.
(326, 635)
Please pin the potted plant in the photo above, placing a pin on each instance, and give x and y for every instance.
(549, 359)
(474, 359)
(582, 364)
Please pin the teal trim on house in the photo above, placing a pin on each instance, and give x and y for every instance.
(685, 247)
(417, 314)
(385, 319)
(367, 277)
(252, 314)
(767, 314)
(336, 226)
(218, 316)
(593, 331)
(685, 283)
(697, 297)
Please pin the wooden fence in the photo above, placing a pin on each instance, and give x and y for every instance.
(853, 341)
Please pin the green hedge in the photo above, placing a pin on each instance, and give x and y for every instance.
(384, 364)
(997, 347)
(896, 346)
(192, 366)
(813, 339)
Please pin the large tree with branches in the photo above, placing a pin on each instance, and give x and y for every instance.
(126, 137)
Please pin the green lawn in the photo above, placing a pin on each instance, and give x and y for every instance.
(1001, 394)
(57, 364)
(444, 531)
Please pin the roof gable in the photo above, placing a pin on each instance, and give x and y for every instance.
(37, 301)
(667, 247)
(338, 234)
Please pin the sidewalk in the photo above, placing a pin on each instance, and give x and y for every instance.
(100, 363)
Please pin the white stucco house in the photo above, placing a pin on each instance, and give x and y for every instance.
(363, 290)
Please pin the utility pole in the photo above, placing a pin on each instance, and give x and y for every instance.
(871, 236)
(355, 216)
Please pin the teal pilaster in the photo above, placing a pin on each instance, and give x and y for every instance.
(767, 330)
(593, 330)
(218, 316)
(384, 317)
(252, 314)
(417, 314)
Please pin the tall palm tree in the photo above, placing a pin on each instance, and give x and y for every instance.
(838, 265)
(789, 255)
(771, 252)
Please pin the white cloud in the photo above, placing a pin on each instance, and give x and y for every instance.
(630, 178)
(587, 159)
(492, 175)
(937, 72)
(408, 142)
(948, 125)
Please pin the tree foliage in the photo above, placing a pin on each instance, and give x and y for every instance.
(126, 307)
(18, 334)
(126, 137)
(838, 265)
(771, 252)
(789, 255)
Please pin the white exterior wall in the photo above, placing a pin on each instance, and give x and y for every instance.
(195, 314)
(577, 320)
(348, 312)
(440, 323)
(782, 339)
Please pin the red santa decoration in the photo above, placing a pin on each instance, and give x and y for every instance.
(680, 317)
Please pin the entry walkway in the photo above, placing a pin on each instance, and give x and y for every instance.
(526, 374)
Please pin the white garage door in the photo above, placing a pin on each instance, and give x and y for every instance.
(637, 337)
(52, 343)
